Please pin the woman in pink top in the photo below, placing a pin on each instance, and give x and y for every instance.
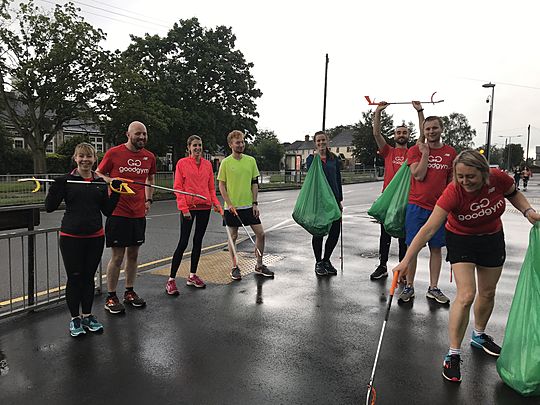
(473, 204)
(194, 174)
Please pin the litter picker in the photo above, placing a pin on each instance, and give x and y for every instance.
(370, 385)
(249, 235)
(123, 189)
(373, 102)
(173, 190)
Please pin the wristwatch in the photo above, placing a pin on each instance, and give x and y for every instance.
(149, 200)
(254, 203)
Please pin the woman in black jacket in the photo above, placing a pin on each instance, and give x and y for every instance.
(81, 233)
(331, 168)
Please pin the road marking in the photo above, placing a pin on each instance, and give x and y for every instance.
(140, 266)
(272, 202)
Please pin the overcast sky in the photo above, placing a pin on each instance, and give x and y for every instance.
(394, 51)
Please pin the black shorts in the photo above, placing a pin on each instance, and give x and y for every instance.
(482, 250)
(246, 215)
(124, 232)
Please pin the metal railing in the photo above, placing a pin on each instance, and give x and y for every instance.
(32, 274)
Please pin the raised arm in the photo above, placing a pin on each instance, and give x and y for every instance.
(377, 125)
(519, 201)
(418, 107)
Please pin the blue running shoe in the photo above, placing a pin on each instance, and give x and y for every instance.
(486, 343)
(91, 323)
(75, 327)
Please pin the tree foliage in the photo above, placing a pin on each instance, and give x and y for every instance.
(51, 69)
(457, 132)
(267, 150)
(191, 81)
(516, 153)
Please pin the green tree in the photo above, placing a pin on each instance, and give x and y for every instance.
(51, 69)
(516, 152)
(365, 147)
(68, 146)
(457, 132)
(191, 81)
(267, 150)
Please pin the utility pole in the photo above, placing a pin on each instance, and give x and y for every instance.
(325, 87)
(528, 138)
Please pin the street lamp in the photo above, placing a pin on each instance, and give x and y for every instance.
(490, 119)
(509, 139)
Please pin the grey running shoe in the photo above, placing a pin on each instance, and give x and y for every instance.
(131, 297)
(435, 294)
(406, 294)
(320, 270)
(263, 271)
(235, 273)
(380, 272)
(114, 306)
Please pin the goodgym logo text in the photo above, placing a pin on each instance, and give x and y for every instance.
(134, 166)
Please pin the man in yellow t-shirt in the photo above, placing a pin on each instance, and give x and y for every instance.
(238, 184)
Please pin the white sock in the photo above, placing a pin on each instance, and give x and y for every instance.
(477, 332)
(171, 279)
(454, 351)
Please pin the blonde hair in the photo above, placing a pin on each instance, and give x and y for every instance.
(233, 135)
(85, 148)
(473, 158)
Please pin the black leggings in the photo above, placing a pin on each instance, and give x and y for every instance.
(331, 242)
(81, 259)
(202, 217)
(384, 247)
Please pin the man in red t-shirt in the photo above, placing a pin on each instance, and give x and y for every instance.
(125, 228)
(394, 157)
(431, 170)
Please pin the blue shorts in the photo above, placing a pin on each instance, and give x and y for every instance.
(415, 218)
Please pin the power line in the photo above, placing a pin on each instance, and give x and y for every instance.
(108, 17)
(128, 11)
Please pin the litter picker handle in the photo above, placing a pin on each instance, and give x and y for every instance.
(394, 282)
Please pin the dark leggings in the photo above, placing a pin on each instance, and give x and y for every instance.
(384, 247)
(202, 217)
(81, 259)
(331, 242)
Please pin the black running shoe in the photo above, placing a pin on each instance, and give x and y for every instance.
(380, 272)
(486, 343)
(235, 273)
(451, 367)
(330, 270)
(263, 271)
(131, 297)
(320, 270)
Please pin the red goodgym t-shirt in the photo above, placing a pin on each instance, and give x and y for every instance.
(393, 159)
(119, 161)
(439, 173)
(478, 212)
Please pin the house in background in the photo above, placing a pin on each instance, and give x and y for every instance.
(297, 152)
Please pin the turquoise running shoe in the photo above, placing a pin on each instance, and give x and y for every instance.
(91, 323)
(75, 327)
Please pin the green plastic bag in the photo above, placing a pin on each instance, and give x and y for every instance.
(316, 207)
(390, 208)
(519, 363)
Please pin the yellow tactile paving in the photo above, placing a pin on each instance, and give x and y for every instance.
(215, 267)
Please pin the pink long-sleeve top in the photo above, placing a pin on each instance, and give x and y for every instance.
(198, 179)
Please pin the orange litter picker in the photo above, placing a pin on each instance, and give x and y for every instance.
(370, 385)
(123, 189)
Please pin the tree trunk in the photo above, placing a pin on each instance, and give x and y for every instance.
(40, 164)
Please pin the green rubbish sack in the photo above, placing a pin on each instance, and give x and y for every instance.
(390, 208)
(316, 207)
(519, 363)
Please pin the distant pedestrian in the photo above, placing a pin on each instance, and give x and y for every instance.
(526, 174)
(517, 176)
(125, 229)
(332, 172)
(82, 234)
(473, 204)
(238, 184)
(194, 174)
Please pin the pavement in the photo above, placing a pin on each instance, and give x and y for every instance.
(295, 339)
